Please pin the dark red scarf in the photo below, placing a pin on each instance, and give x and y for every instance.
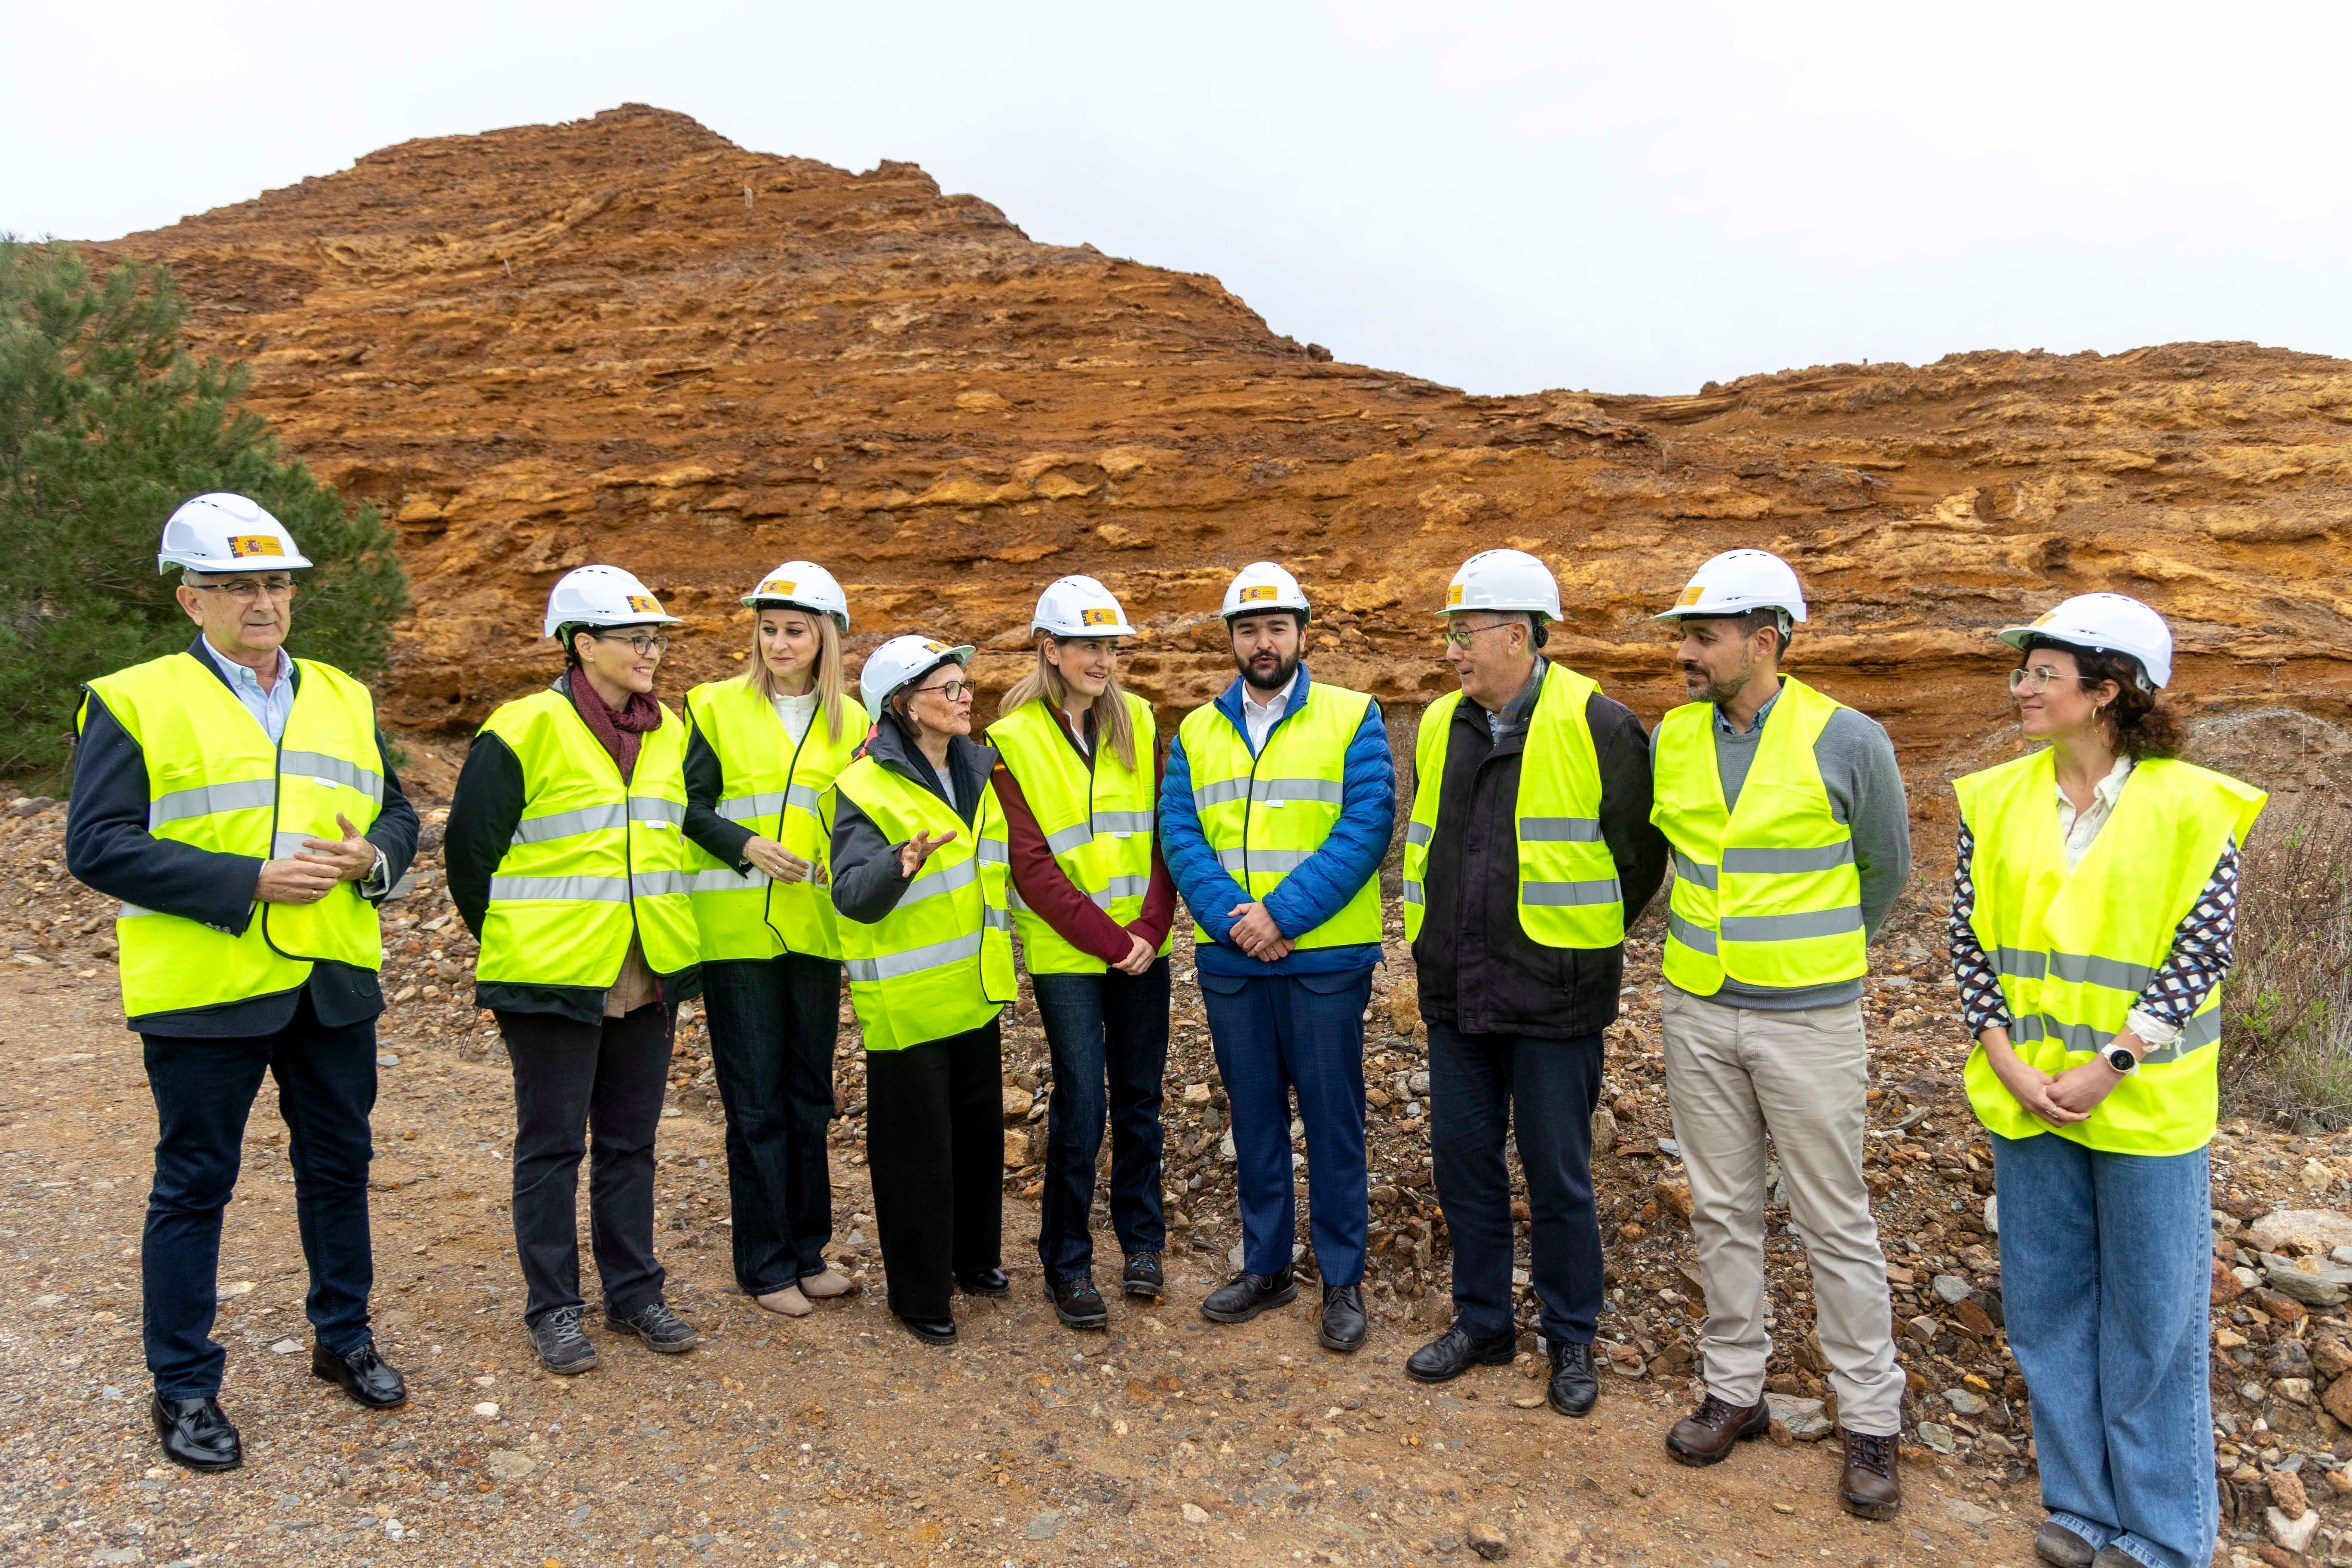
(622, 732)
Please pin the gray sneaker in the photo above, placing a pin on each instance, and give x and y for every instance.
(562, 1348)
(661, 1329)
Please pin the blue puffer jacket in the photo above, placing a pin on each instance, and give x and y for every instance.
(1321, 884)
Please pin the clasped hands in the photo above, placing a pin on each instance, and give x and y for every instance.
(1255, 933)
(308, 874)
(2070, 1095)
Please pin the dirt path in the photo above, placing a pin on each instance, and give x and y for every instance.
(835, 1439)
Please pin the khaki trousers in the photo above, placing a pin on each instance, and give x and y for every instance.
(1733, 1076)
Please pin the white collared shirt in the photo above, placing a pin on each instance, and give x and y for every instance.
(2080, 829)
(270, 708)
(1260, 717)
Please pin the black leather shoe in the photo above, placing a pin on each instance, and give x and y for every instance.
(195, 1434)
(931, 1331)
(1141, 1277)
(661, 1329)
(1454, 1353)
(1246, 1295)
(362, 1374)
(1077, 1303)
(563, 1349)
(1344, 1323)
(1574, 1386)
(987, 1282)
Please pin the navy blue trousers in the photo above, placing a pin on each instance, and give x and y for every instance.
(203, 1091)
(1482, 1087)
(1108, 1034)
(1277, 1035)
(773, 1022)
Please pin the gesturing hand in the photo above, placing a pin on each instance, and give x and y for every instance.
(779, 863)
(918, 849)
(350, 856)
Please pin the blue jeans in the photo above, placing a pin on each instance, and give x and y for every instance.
(203, 1091)
(1109, 1034)
(2106, 1278)
(1276, 1033)
(773, 1022)
(1482, 1087)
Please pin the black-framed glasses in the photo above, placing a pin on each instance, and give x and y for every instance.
(642, 642)
(246, 590)
(953, 691)
(2036, 681)
(1459, 637)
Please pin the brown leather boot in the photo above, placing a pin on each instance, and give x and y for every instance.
(1871, 1486)
(1706, 1436)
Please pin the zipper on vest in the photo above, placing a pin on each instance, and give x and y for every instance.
(792, 772)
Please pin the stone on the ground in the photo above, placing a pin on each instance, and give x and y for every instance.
(2322, 1228)
(1193, 1513)
(1966, 1512)
(1807, 1420)
(2293, 1534)
(1964, 1402)
(1939, 1437)
(1489, 1542)
(1951, 1290)
(2307, 1280)
(509, 1465)
(1604, 1131)
(2286, 1491)
(1043, 1527)
(1992, 1215)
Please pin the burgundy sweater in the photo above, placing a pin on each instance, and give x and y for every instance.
(1047, 889)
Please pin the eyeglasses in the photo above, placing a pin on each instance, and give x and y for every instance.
(246, 590)
(953, 691)
(1459, 637)
(643, 643)
(2035, 681)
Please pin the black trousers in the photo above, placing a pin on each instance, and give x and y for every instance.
(1482, 1087)
(575, 1082)
(773, 1022)
(935, 1147)
(203, 1091)
(1107, 1029)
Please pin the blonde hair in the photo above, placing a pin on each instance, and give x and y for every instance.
(1109, 709)
(828, 685)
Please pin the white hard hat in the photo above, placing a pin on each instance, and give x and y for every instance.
(805, 585)
(221, 532)
(1261, 586)
(1739, 581)
(602, 596)
(2105, 623)
(1503, 580)
(1079, 607)
(900, 660)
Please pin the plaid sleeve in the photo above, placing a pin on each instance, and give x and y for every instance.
(2201, 946)
(1981, 1003)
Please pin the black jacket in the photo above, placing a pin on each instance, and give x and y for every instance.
(482, 818)
(867, 883)
(1480, 972)
(109, 848)
(705, 781)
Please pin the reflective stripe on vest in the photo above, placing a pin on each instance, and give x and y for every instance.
(1264, 816)
(591, 861)
(215, 782)
(1569, 895)
(776, 788)
(1767, 892)
(2075, 949)
(940, 963)
(1098, 816)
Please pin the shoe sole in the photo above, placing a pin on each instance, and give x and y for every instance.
(1503, 1359)
(1339, 1347)
(992, 1295)
(190, 1465)
(680, 1348)
(355, 1399)
(1699, 1461)
(924, 1338)
(1141, 1291)
(1559, 1409)
(1860, 1509)
(1283, 1297)
(568, 1369)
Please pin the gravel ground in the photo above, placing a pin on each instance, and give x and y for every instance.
(838, 1439)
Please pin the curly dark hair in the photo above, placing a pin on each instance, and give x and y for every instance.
(2141, 725)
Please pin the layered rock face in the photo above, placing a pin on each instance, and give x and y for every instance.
(627, 340)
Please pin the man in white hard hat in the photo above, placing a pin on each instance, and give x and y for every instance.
(1279, 805)
(1791, 841)
(1529, 851)
(242, 805)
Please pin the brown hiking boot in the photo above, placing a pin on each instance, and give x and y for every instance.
(1706, 1436)
(1871, 1486)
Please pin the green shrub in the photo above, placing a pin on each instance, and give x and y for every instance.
(2287, 1025)
(107, 424)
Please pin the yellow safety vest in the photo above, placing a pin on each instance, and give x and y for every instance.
(1265, 814)
(1767, 894)
(2075, 949)
(772, 786)
(1569, 895)
(940, 963)
(214, 781)
(1098, 822)
(593, 861)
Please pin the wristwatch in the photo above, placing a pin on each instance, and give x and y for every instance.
(2120, 1058)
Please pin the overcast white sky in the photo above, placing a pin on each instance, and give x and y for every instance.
(1500, 197)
